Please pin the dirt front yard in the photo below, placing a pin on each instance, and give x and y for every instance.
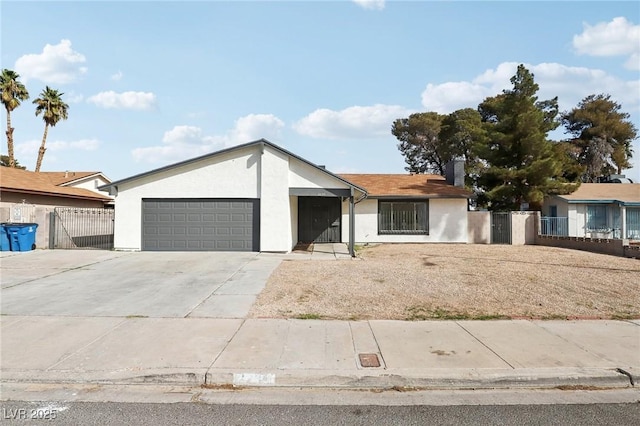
(455, 281)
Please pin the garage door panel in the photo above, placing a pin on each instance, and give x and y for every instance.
(200, 224)
(222, 217)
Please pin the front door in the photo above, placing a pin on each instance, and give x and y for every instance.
(319, 219)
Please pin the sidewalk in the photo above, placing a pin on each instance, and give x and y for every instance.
(319, 353)
(181, 318)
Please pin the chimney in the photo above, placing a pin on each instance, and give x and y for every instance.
(454, 172)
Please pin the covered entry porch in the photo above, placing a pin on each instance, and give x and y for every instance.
(317, 215)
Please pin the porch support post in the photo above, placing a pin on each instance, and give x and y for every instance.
(352, 224)
(623, 221)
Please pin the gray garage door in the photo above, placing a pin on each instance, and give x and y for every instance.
(200, 224)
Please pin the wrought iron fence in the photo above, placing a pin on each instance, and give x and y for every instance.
(84, 228)
(557, 226)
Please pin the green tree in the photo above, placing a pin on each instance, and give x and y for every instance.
(53, 109)
(420, 143)
(602, 135)
(13, 92)
(4, 162)
(567, 154)
(429, 140)
(521, 164)
(461, 133)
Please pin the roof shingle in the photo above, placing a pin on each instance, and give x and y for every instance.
(623, 192)
(406, 185)
(45, 183)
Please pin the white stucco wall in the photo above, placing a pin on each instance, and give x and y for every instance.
(577, 214)
(447, 223)
(302, 175)
(91, 183)
(275, 210)
(479, 227)
(234, 175)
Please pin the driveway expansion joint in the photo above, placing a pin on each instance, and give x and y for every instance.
(486, 346)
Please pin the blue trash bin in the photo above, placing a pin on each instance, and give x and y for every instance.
(22, 236)
(4, 238)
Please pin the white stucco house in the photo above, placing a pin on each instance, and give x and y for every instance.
(261, 197)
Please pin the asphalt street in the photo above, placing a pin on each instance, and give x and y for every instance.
(110, 413)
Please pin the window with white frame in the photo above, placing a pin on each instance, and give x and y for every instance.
(597, 217)
(403, 217)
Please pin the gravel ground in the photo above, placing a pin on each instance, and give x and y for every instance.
(455, 281)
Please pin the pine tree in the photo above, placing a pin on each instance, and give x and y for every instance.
(521, 164)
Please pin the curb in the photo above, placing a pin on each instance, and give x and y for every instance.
(576, 378)
(183, 377)
(548, 378)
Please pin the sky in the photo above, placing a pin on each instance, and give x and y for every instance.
(151, 83)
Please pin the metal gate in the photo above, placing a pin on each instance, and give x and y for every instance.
(500, 227)
(78, 228)
(319, 220)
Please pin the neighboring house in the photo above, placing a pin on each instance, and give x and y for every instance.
(595, 210)
(261, 197)
(58, 189)
(27, 196)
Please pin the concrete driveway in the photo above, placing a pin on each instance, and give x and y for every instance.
(132, 284)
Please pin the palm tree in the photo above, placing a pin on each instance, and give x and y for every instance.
(12, 93)
(50, 104)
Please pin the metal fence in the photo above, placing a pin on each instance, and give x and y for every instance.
(85, 228)
(500, 227)
(558, 226)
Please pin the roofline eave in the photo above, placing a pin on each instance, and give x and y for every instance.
(418, 197)
(260, 142)
(54, 194)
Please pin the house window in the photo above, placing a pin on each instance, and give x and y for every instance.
(633, 223)
(597, 217)
(403, 217)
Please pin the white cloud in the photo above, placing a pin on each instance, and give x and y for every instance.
(73, 97)
(82, 145)
(570, 84)
(448, 97)
(183, 142)
(57, 150)
(57, 64)
(125, 100)
(255, 126)
(370, 4)
(616, 38)
(359, 122)
(117, 76)
(184, 135)
(31, 147)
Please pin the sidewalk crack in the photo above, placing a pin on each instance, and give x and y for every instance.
(223, 349)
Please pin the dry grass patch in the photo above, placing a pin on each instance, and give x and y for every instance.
(455, 281)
